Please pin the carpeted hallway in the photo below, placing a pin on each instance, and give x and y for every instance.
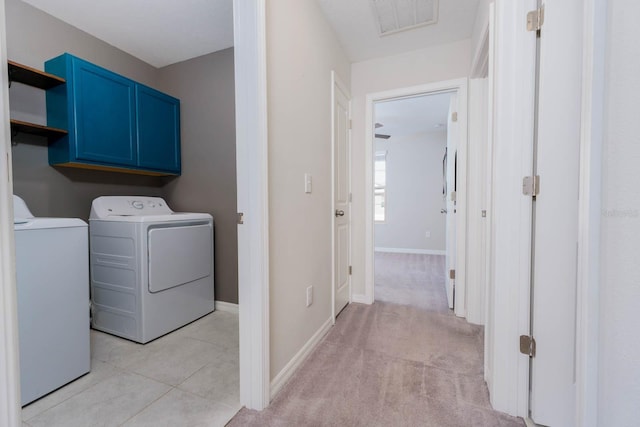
(404, 361)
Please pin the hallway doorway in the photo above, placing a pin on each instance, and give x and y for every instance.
(418, 154)
(414, 222)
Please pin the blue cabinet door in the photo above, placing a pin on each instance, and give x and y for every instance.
(104, 115)
(158, 125)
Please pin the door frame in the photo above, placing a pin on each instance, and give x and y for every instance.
(10, 413)
(512, 88)
(456, 85)
(589, 211)
(337, 82)
(250, 65)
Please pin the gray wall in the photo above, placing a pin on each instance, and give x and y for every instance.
(205, 86)
(414, 193)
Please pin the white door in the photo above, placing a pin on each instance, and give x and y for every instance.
(341, 189)
(450, 200)
(556, 216)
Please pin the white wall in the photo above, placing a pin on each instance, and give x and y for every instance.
(414, 193)
(619, 373)
(429, 65)
(301, 52)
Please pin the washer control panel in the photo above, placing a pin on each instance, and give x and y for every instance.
(107, 206)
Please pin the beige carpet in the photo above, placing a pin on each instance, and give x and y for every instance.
(411, 279)
(390, 364)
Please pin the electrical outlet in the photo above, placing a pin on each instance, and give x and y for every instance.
(427, 234)
(309, 296)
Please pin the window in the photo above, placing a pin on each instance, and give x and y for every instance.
(380, 186)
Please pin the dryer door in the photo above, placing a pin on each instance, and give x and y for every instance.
(179, 255)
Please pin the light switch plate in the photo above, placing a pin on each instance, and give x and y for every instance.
(307, 183)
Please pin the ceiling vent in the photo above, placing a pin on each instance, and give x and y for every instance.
(400, 15)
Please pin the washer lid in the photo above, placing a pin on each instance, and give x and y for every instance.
(42, 223)
(23, 219)
(21, 212)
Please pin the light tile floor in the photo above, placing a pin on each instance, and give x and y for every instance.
(186, 378)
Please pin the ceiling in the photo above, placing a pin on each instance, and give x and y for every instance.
(358, 30)
(159, 32)
(163, 32)
(409, 116)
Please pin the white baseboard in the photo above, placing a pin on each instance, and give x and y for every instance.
(227, 307)
(361, 299)
(411, 251)
(290, 368)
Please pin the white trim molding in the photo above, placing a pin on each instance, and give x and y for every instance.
(411, 251)
(290, 368)
(227, 307)
(9, 362)
(360, 299)
(589, 212)
(458, 86)
(249, 35)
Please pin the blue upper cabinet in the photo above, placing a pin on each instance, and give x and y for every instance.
(158, 129)
(114, 123)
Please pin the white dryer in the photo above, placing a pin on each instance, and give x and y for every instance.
(151, 268)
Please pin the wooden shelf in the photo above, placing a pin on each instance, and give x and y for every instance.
(39, 130)
(32, 77)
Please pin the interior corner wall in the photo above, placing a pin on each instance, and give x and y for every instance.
(32, 38)
(206, 89)
(430, 65)
(619, 343)
(480, 25)
(302, 49)
(413, 194)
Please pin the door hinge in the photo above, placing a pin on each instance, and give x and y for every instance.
(240, 218)
(350, 124)
(528, 345)
(453, 196)
(454, 116)
(350, 197)
(531, 185)
(535, 19)
(350, 270)
(452, 274)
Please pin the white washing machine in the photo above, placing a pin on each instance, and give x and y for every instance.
(52, 271)
(151, 268)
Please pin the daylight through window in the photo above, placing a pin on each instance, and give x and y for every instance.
(380, 186)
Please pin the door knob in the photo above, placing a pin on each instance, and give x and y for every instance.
(443, 211)
(339, 212)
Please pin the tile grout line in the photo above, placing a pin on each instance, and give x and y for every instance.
(146, 406)
(71, 396)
